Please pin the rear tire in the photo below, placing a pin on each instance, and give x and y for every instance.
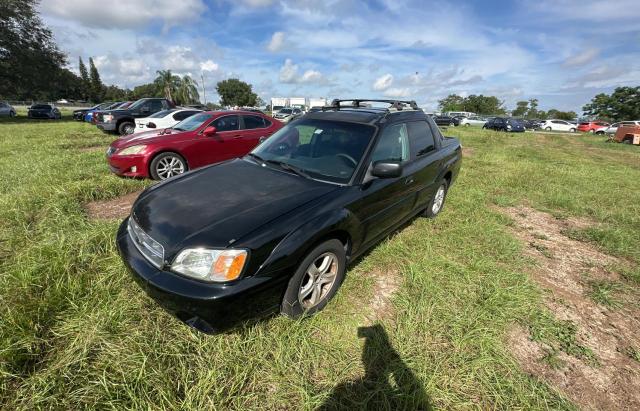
(314, 284)
(467, 125)
(126, 128)
(167, 165)
(592, 131)
(572, 130)
(548, 129)
(12, 114)
(437, 202)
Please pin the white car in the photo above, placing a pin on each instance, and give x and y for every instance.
(614, 127)
(473, 121)
(164, 119)
(558, 125)
(288, 113)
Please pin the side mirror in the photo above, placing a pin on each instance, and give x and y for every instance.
(209, 131)
(383, 169)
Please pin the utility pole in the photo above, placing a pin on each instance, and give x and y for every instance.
(204, 93)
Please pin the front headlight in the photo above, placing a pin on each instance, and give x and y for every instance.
(107, 118)
(132, 150)
(210, 265)
(509, 126)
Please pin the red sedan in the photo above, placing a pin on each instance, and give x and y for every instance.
(202, 139)
(591, 126)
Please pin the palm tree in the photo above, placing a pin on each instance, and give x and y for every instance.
(168, 83)
(187, 91)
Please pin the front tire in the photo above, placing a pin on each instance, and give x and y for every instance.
(572, 130)
(316, 280)
(167, 165)
(548, 129)
(126, 128)
(467, 125)
(12, 114)
(437, 202)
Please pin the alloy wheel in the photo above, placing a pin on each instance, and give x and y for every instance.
(438, 200)
(128, 129)
(318, 280)
(169, 166)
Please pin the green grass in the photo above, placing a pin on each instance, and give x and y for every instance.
(76, 332)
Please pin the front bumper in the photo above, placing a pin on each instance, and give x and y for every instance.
(107, 126)
(207, 307)
(129, 166)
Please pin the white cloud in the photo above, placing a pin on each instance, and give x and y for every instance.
(276, 43)
(257, 3)
(124, 71)
(208, 65)
(582, 58)
(397, 92)
(125, 13)
(289, 74)
(383, 82)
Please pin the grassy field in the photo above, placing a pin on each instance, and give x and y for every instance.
(76, 332)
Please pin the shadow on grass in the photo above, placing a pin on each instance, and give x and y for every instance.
(388, 383)
(26, 120)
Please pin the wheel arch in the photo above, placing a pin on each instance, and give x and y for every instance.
(163, 151)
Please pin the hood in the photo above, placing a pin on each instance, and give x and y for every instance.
(217, 204)
(145, 137)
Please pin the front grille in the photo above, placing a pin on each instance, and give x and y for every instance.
(150, 248)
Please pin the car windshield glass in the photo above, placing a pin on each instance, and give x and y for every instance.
(137, 104)
(41, 107)
(193, 122)
(161, 114)
(286, 111)
(321, 149)
(515, 122)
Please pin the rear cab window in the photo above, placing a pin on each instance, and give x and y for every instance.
(420, 138)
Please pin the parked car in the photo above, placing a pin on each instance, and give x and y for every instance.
(200, 107)
(123, 121)
(46, 111)
(446, 121)
(531, 124)
(288, 113)
(79, 114)
(90, 116)
(6, 110)
(512, 125)
(591, 126)
(275, 230)
(558, 125)
(163, 119)
(314, 109)
(471, 121)
(613, 128)
(201, 139)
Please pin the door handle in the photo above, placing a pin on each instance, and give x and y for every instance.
(408, 180)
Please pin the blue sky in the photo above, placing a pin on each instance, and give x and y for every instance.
(562, 52)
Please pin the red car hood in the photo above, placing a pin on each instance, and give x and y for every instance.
(145, 137)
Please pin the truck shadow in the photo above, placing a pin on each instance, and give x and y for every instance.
(388, 383)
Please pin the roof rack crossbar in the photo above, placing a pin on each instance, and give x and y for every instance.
(395, 104)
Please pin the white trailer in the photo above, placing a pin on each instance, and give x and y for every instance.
(298, 102)
(277, 103)
(317, 102)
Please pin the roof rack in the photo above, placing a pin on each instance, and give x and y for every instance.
(398, 105)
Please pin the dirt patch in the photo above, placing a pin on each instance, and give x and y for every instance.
(386, 284)
(467, 152)
(114, 209)
(566, 268)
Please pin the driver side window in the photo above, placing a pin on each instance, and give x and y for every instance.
(393, 144)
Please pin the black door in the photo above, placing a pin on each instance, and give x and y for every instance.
(425, 162)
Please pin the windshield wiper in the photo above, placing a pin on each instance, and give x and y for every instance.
(257, 157)
(289, 167)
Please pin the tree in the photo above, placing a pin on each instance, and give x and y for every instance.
(452, 102)
(234, 92)
(522, 107)
(483, 104)
(561, 115)
(146, 90)
(29, 57)
(168, 83)
(84, 79)
(187, 91)
(95, 84)
(622, 104)
(533, 109)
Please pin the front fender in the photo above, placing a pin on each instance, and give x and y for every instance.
(295, 245)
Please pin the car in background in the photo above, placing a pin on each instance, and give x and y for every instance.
(122, 121)
(164, 119)
(276, 229)
(314, 109)
(446, 121)
(89, 115)
(204, 138)
(288, 113)
(6, 110)
(531, 124)
(79, 114)
(198, 106)
(44, 111)
(591, 126)
(472, 121)
(614, 127)
(558, 125)
(512, 125)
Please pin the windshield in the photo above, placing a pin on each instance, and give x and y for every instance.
(41, 107)
(137, 104)
(324, 150)
(162, 113)
(515, 121)
(193, 122)
(285, 111)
